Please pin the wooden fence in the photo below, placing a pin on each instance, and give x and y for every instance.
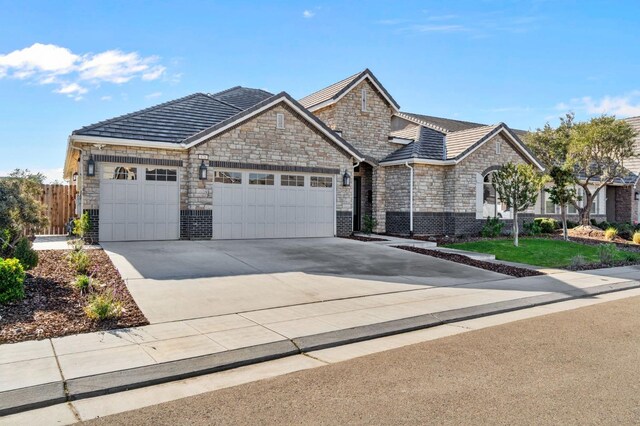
(60, 205)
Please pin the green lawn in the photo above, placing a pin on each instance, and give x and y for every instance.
(538, 251)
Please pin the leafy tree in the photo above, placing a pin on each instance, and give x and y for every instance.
(20, 209)
(518, 187)
(562, 193)
(594, 150)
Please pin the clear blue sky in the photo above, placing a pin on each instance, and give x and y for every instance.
(66, 64)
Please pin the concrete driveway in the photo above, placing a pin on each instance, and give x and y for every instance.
(180, 280)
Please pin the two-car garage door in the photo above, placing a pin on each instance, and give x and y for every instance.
(258, 204)
(143, 203)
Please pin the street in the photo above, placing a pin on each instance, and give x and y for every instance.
(578, 366)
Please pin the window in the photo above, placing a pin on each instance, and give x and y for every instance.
(498, 147)
(227, 177)
(549, 207)
(291, 180)
(161, 175)
(280, 120)
(491, 204)
(120, 173)
(363, 94)
(260, 179)
(321, 182)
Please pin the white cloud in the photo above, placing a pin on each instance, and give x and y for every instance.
(621, 106)
(308, 14)
(106, 98)
(51, 64)
(153, 95)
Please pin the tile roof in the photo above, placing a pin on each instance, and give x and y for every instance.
(176, 120)
(334, 91)
(409, 132)
(446, 124)
(460, 141)
(428, 144)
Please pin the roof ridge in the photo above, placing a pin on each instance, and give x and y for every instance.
(224, 102)
(351, 77)
(445, 118)
(224, 91)
(142, 111)
(422, 122)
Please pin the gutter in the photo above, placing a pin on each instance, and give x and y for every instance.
(410, 198)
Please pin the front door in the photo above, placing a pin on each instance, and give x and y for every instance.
(357, 185)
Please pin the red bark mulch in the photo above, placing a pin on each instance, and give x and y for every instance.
(489, 266)
(53, 308)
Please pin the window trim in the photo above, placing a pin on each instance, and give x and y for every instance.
(279, 120)
(497, 201)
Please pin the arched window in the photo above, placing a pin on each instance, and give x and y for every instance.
(492, 206)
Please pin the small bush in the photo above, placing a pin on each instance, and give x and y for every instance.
(103, 306)
(11, 280)
(547, 225)
(82, 283)
(611, 233)
(607, 253)
(532, 228)
(578, 260)
(27, 256)
(636, 237)
(625, 230)
(602, 225)
(492, 227)
(80, 261)
(81, 225)
(369, 223)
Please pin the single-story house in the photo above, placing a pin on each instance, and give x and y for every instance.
(246, 163)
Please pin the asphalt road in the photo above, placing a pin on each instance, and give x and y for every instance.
(574, 367)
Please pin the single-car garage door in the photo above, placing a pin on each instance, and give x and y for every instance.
(139, 203)
(258, 204)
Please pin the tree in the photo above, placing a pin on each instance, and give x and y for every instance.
(518, 187)
(20, 209)
(562, 193)
(594, 151)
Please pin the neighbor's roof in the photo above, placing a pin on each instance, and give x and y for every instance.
(633, 163)
(176, 120)
(332, 93)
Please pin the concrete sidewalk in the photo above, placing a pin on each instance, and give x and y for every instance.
(40, 373)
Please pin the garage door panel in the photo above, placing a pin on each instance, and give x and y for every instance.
(272, 211)
(138, 209)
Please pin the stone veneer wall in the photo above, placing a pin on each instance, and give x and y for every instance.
(259, 141)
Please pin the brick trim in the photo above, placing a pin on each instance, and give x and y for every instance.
(344, 223)
(273, 167)
(137, 160)
(196, 224)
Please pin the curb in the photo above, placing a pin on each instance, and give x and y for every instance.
(24, 399)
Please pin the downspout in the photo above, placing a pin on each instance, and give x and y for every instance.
(410, 198)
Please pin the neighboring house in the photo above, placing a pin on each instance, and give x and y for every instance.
(627, 196)
(245, 163)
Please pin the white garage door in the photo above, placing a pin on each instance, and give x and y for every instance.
(257, 204)
(139, 203)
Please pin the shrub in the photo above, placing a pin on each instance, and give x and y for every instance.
(369, 223)
(27, 256)
(82, 283)
(547, 225)
(607, 253)
(11, 280)
(611, 233)
(103, 306)
(625, 230)
(636, 237)
(602, 225)
(76, 244)
(80, 261)
(578, 260)
(492, 227)
(532, 228)
(81, 225)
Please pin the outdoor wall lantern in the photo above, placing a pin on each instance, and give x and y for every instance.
(203, 171)
(346, 179)
(91, 167)
(637, 196)
(75, 177)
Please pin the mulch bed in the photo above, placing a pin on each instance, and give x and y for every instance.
(53, 308)
(589, 266)
(361, 238)
(489, 266)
